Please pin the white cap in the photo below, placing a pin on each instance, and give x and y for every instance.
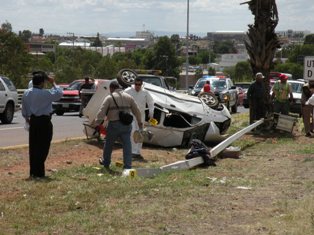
(259, 75)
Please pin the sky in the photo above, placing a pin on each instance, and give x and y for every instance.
(87, 17)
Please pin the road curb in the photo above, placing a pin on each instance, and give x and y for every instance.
(53, 142)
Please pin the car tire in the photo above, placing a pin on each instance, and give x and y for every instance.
(8, 114)
(59, 112)
(126, 77)
(209, 99)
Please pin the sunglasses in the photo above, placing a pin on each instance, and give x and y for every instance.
(138, 84)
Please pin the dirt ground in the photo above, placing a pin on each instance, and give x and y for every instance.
(76, 153)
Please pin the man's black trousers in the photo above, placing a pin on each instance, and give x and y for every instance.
(40, 135)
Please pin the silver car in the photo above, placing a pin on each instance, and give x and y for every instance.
(8, 100)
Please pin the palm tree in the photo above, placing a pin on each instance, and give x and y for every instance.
(262, 40)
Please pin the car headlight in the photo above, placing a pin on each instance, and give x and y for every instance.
(193, 92)
(225, 97)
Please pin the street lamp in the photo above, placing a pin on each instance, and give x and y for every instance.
(187, 47)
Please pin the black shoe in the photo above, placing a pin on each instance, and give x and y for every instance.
(308, 134)
(138, 157)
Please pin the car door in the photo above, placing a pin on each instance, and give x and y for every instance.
(233, 92)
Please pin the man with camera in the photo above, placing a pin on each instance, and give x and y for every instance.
(112, 107)
(37, 110)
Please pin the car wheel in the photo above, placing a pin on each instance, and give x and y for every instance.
(209, 99)
(126, 77)
(59, 112)
(7, 116)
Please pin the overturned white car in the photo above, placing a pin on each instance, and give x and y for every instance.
(180, 117)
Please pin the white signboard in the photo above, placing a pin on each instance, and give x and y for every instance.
(309, 67)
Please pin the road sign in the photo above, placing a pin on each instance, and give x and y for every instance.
(309, 67)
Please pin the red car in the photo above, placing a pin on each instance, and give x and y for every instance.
(71, 101)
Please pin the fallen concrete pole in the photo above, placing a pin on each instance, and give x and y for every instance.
(188, 164)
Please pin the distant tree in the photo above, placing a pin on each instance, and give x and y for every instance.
(163, 57)
(138, 57)
(211, 71)
(25, 35)
(194, 60)
(309, 39)
(204, 56)
(97, 42)
(106, 68)
(6, 26)
(243, 71)
(199, 73)
(41, 32)
(14, 59)
(175, 40)
(224, 47)
(293, 68)
(298, 53)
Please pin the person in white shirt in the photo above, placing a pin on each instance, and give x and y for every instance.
(141, 97)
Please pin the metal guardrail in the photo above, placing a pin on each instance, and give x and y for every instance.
(20, 93)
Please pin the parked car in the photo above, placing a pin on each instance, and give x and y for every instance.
(226, 92)
(71, 101)
(8, 100)
(240, 92)
(296, 86)
(200, 83)
(275, 75)
(245, 86)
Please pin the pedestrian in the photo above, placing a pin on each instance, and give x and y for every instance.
(282, 95)
(142, 98)
(116, 128)
(307, 107)
(84, 98)
(37, 110)
(255, 96)
(206, 87)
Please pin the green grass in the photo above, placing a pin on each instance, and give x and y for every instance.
(268, 190)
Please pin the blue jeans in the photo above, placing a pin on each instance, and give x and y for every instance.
(116, 129)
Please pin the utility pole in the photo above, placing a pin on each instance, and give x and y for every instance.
(72, 38)
(187, 46)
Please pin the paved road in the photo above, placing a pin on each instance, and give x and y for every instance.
(66, 126)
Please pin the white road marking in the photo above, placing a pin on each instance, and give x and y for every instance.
(11, 128)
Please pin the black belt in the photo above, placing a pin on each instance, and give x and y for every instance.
(41, 117)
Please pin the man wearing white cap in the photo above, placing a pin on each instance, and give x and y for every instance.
(255, 96)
